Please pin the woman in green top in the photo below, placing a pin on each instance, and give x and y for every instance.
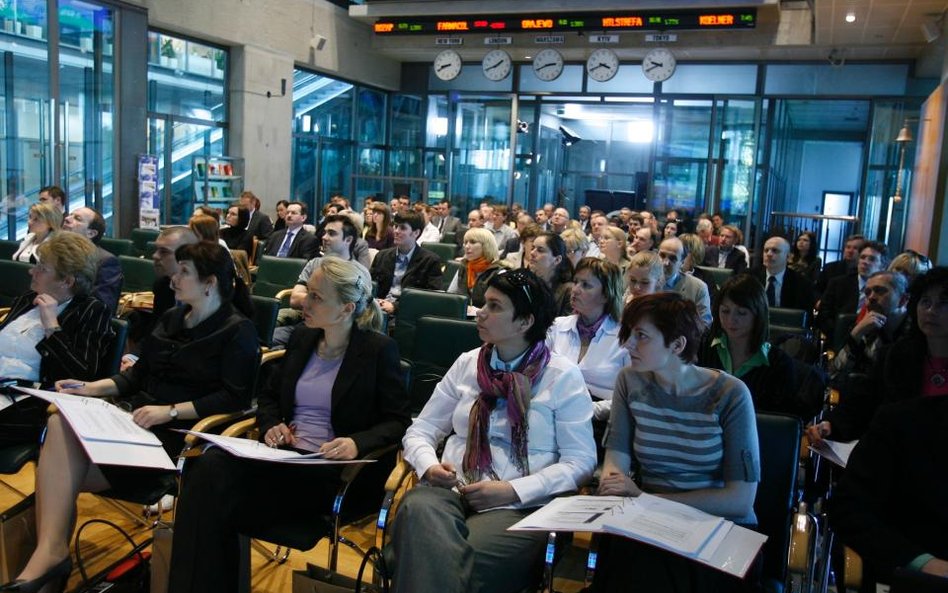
(738, 344)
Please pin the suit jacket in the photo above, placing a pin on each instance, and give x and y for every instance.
(81, 349)
(452, 224)
(304, 246)
(260, 225)
(695, 291)
(841, 296)
(369, 402)
(424, 270)
(735, 259)
(108, 279)
(832, 270)
(796, 292)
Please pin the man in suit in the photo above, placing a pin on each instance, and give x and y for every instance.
(585, 219)
(407, 265)
(259, 225)
(108, 274)
(845, 294)
(672, 253)
(444, 221)
(726, 254)
(841, 267)
(785, 288)
(54, 195)
(294, 240)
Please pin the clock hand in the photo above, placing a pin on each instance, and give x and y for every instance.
(546, 65)
(443, 66)
(598, 66)
(654, 66)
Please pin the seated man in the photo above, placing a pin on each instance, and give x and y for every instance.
(407, 265)
(727, 254)
(841, 267)
(785, 288)
(844, 294)
(108, 272)
(890, 504)
(294, 240)
(672, 252)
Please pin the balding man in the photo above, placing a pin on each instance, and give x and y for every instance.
(560, 220)
(672, 253)
(785, 288)
(108, 274)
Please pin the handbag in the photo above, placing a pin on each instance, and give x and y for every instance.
(17, 537)
(23, 421)
(316, 579)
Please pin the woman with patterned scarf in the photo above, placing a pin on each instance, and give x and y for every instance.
(479, 264)
(517, 422)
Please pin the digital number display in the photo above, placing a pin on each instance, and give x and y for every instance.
(695, 20)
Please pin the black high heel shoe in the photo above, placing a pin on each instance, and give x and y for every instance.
(58, 572)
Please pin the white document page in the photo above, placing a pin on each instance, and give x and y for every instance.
(666, 523)
(834, 451)
(8, 400)
(249, 449)
(573, 513)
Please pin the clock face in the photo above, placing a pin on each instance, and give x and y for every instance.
(602, 65)
(496, 65)
(548, 64)
(447, 65)
(658, 65)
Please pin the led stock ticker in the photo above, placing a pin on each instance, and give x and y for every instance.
(695, 20)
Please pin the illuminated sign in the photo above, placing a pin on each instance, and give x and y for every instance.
(695, 20)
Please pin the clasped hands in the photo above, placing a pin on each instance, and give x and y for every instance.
(616, 484)
(478, 496)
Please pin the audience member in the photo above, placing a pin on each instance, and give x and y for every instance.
(378, 230)
(597, 222)
(560, 220)
(612, 247)
(785, 288)
(585, 219)
(519, 259)
(44, 220)
(845, 294)
(107, 286)
(672, 253)
(670, 229)
(206, 228)
(406, 265)
(803, 258)
(841, 267)
(280, 223)
(541, 219)
(577, 245)
(54, 196)
(547, 259)
(910, 264)
(475, 220)
(259, 225)
(503, 234)
(645, 239)
(727, 254)
(294, 240)
(479, 263)
(705, 229)
(430, 232)
(235, 234)
(694, 255)
(645, 275)
(517, 422)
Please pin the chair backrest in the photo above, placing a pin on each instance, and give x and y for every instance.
(413, 303)
(788, 317)
(844, 324)
(140, 239)
(16, 280)
(720, 275)
(443, 341)
(449, 237)
(8, 248)
(779, 436)
(445, 251)
(120, 329)
(276, 273)
(452, 268)
(138, 273)
(265, 310)
(116, 246)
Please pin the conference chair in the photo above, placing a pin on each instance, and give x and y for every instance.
(413, 304)
(140, 239)
(8, 248)
(117, 246)
(275, 274)
(138, 274)
(453, 269)
(796, 318)
(16, 281)
(445, 251)
(265, 310)
(444, 341)
(719, 275)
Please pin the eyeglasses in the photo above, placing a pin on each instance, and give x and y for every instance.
(922, 259)
(520, 279)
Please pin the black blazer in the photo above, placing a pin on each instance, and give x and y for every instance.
(305, 246)
(108, 279)
(832, 270)
(796, 292)
(841, 296)
(369, 402)
(260, 225)
(424, 270)
(81, 350)
(735, 259)
(237, 238)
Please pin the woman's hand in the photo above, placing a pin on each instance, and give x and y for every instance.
(47, 305)
(616, 484)
(280, 435)
(488, 494)
(72, 386)
(819, 431)
(937, 567)
(341, 448)
(386, 306)
(442, 475)
(149, 416)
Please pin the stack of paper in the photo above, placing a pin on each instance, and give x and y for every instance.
(670, 525)
(249, 449)
(834, 451)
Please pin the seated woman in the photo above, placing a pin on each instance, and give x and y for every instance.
(517, 422)
(235, 234)
(645, 275)
(577, 245)
(479, 264)
(678, 431)
(694, 255)
(379, 233)
(612, 246)
(339, 390)
(207, 229)
(738, 344)
(589, 337)
(57, 329)
(547, 259)
(803, 256)
(199, 360)
(44, 221)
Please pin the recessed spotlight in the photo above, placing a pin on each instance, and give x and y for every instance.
(850, 17)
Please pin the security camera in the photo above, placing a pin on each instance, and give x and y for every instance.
(569, 137)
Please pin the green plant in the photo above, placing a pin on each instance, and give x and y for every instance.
(219, 59)
(167, 49)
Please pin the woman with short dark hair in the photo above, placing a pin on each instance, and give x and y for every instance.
(548, 260)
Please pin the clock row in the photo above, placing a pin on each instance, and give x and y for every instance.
(602, 65)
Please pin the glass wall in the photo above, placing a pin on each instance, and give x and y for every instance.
(187, 118)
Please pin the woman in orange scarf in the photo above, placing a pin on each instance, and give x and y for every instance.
(479, 264)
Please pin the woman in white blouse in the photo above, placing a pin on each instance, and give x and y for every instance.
(590, 337)
(517, 422)
(44, 220)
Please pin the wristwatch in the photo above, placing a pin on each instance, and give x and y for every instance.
(173, 412)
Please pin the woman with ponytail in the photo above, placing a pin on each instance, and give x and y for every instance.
(517, 422)
(338, 391)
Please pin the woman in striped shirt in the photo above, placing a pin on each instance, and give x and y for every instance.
(679, 431)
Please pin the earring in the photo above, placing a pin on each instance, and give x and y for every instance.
(207, 292)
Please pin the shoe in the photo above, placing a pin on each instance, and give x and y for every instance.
(58, 572)
(165, 504)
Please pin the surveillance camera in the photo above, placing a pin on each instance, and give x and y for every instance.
(318, 42)
(569, 137)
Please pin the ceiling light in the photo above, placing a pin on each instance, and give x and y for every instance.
(850, 17)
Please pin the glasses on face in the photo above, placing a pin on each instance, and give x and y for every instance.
(519, 279)
(922, 259)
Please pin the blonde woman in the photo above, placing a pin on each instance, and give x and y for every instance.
(577, 244)
(44, 220)
(612, 246)
(645, 275)
(479, 264)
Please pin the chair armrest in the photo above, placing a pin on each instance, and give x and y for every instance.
(241, 428)
(852, 569)
(215, 421)
(4, 311)
(271, 355)
(284, 295)
(352, 471)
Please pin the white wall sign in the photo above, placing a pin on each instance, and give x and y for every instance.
(498, 41)
(448, 41)
(661, 37)
(603, 39)
(550, 39)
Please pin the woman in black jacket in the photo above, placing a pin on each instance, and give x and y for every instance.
(339, 391)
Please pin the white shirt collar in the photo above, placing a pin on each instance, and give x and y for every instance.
(498, 365)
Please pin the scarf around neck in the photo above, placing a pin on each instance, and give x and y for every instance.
(474, 269)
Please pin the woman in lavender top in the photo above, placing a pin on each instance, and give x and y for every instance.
(338, 391)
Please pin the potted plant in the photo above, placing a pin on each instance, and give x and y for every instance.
(169, 57)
